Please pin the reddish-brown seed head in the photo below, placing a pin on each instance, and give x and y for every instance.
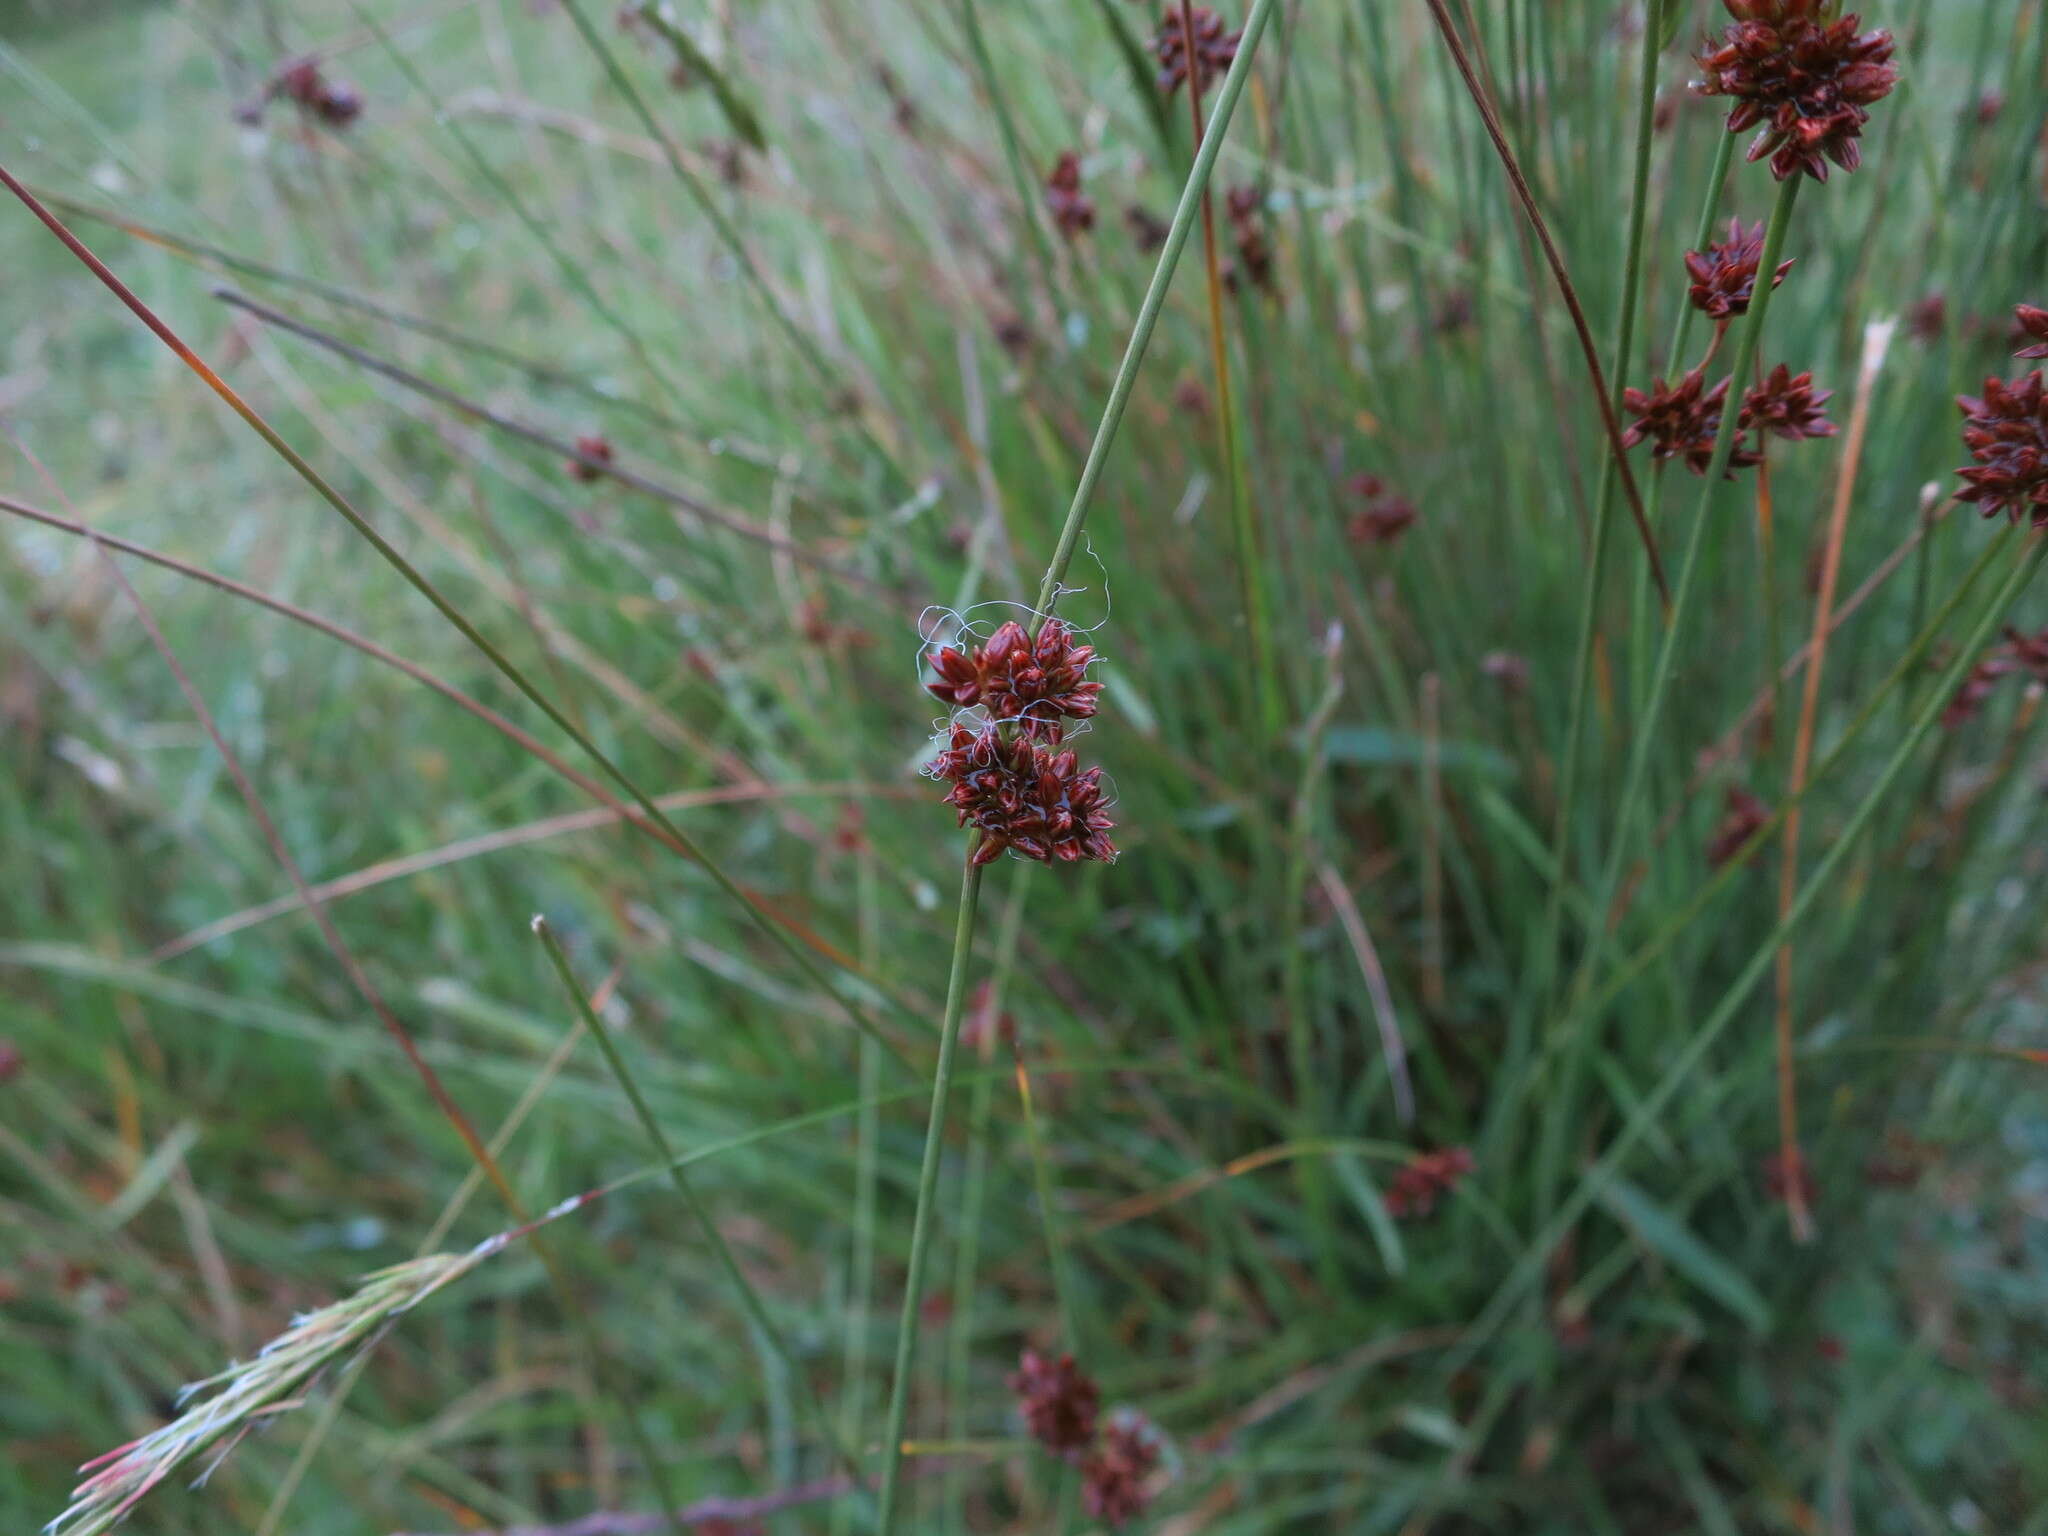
(1742, 820)
(1804, 81)
(2006, 431)
(1024, 797)
(1680, 421)
(1073, 211)
(1113, 1477)
(1787, 406)
(1059, 1402)
(1724, 274)
(1214, 48)
(1037, 683)
(1424, 1179)
(590, 446)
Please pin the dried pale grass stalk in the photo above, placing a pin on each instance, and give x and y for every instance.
(274, 1382)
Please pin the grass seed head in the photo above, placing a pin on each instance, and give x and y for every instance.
(1724, 274)
(1116, 1476)
(1060, 1402)
(1806, 80)
(2006, 431)
(1787, 406)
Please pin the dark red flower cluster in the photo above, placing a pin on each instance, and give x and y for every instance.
(589, 447)
(1680, 421)
(1787, 407)
(1724, 274)
(1807, 80)
(1059, 1400)
(1024, 796)
(1114, 1475)
(1073, 211)
(334, 103)
(1426, 1178)
(1385, 515)
(2033, 326)
(1037, 683)
(2018, 652)
(1213, 53)
(2006, 432)
(1742, 819)
(1248, 231)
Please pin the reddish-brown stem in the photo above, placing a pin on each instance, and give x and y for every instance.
(1570, 294)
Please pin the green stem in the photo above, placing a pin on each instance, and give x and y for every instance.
(1903, 670)
(1029, 203)
(1644, 1114)
(1155, 297)
(1603, 529)
(1645, 729)
(749, 1298)
(927, 1184)
(967, 1256)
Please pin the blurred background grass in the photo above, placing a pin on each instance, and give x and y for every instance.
(192, 1148)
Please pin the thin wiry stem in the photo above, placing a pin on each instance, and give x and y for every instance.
(1603, 526)
(1581, 1031)
(1244, 528)
(1148, 311)
(1907, 667)
(610, 469)
(1876, 341)
(927, 1184)
(749, 1298)
(418, 581)
(571, 271)
(1703, 1039)
(1587, 348)
(1029, 206)
(974, 1191)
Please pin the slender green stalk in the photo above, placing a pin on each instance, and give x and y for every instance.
(1184, 216)
(867, 1163)
(973, 1196)
(1029, 204)
(447, 609)
(1645, 729)
(1903, 672)
(1048, 1208)
(1243, 525)
(927, 1184)
(1644, 1115)
(571, 271)
(1603, 529)
(749, 1298)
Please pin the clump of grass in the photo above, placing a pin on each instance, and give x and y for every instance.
(1500, 963)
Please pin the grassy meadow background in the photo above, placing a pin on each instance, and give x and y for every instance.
(868, 342)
